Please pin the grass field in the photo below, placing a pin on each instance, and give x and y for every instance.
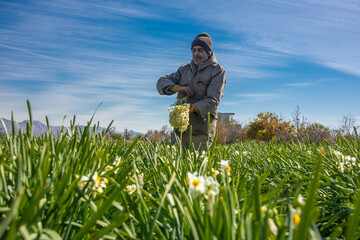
(82, 185)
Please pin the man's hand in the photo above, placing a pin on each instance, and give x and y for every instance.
(192, 109)
(183, 89)
(178, 88)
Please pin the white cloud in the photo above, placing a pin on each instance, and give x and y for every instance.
(303, 84)
(256, 97)
(321, 32)
(84, 53)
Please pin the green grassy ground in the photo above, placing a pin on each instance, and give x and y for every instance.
(85, 186)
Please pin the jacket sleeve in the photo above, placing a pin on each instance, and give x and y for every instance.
(164, 84)
(213, 95)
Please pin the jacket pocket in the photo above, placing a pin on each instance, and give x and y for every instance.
(205, 81)
(201, 87)
(184, 82)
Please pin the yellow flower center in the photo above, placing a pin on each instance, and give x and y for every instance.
(214, 172)
(98, 179)
(228, 169)
(195, 182)
(296, 219)
(106, 181)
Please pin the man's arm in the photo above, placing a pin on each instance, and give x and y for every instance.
(169, 84)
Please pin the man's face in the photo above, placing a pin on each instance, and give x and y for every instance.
(199, 55)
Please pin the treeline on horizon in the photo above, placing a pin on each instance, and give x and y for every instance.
(267, 126)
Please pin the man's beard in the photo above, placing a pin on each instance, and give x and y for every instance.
(198, 59)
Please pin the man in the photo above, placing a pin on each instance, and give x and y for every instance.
(203, 82)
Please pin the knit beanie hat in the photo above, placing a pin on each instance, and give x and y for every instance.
(203, 40)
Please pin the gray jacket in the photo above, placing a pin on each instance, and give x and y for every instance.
(207, 83)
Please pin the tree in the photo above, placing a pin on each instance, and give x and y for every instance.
(297, 122)
(159, 135)
(347, 125)
(228, 129)
(317, 132)
(296, 118)
(268, 126)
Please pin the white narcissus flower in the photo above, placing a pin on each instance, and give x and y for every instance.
(214, 172)
(117, 161)
(107, 168)
(338, 154)
(263, 209)
(296, 213)
(47, 182)
(196, 184)
(212, 186)
(96, 179)
(350, 160)
(200, 185)
(83, 181)
(104, 182)
(97, 183)
(237, 153)
(225, 165)
(300, 200)
(131, 189)
(341, 166)
(99, 189)
(190, 177)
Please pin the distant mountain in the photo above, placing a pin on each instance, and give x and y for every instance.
(133, 133)
(40, 128)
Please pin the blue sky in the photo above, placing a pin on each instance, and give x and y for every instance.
(67, 57)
